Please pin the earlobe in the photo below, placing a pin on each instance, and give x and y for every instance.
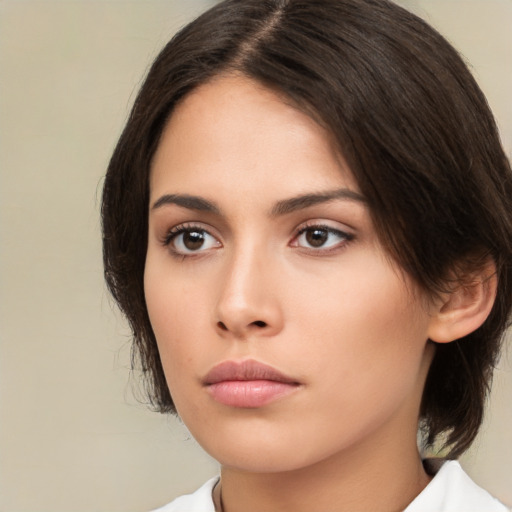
(465, 308)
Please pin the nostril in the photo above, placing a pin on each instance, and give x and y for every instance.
(259, 323)
(222, 326)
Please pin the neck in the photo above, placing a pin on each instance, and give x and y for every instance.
(385, 480)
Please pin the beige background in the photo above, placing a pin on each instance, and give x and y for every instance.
(72, 436)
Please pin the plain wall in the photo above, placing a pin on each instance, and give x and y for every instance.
(72, 436)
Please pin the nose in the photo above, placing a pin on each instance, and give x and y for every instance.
(248, 304)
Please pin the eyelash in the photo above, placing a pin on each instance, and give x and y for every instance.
(176, 231)
(346, 238)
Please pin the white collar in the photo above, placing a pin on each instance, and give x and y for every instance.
(451, 490)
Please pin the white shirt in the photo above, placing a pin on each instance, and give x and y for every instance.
(451, 490)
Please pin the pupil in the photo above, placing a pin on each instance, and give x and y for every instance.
(317, 237)
(193, 240)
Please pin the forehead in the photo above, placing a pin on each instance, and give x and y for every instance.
(234, 130)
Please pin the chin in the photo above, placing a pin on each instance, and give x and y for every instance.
(260, 460)
(265, 450)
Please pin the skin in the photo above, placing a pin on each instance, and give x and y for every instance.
(341, 318)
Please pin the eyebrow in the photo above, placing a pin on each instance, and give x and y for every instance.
(283, 207)
(307, 200)
(187, 201)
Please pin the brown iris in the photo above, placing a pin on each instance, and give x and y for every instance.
(193, 240)
(317, 237)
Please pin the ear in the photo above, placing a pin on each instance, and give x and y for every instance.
(465, 308)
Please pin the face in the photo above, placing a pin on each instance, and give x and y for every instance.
(286, 334)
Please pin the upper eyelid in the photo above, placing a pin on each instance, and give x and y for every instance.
(326, 224)
(340, 232)
(191, 225)
(166, 223)
(320, 226)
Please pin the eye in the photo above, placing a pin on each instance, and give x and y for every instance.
(321, 237)
(186, 240)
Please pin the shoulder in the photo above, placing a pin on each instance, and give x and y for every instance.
(452, 490)
(199, 501)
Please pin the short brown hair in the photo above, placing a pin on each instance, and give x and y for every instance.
(409, 119)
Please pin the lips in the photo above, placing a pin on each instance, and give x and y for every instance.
(247, 384)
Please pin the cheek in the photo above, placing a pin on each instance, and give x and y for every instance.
(361, 301)
(179, 308)
(172, 310)
(178, 350)
(362, 330)
(173, 302)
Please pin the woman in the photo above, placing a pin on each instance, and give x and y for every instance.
(307, 222)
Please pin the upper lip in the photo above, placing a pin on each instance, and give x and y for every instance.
(245, 370)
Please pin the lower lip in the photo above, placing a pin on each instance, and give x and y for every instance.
(249, 393)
